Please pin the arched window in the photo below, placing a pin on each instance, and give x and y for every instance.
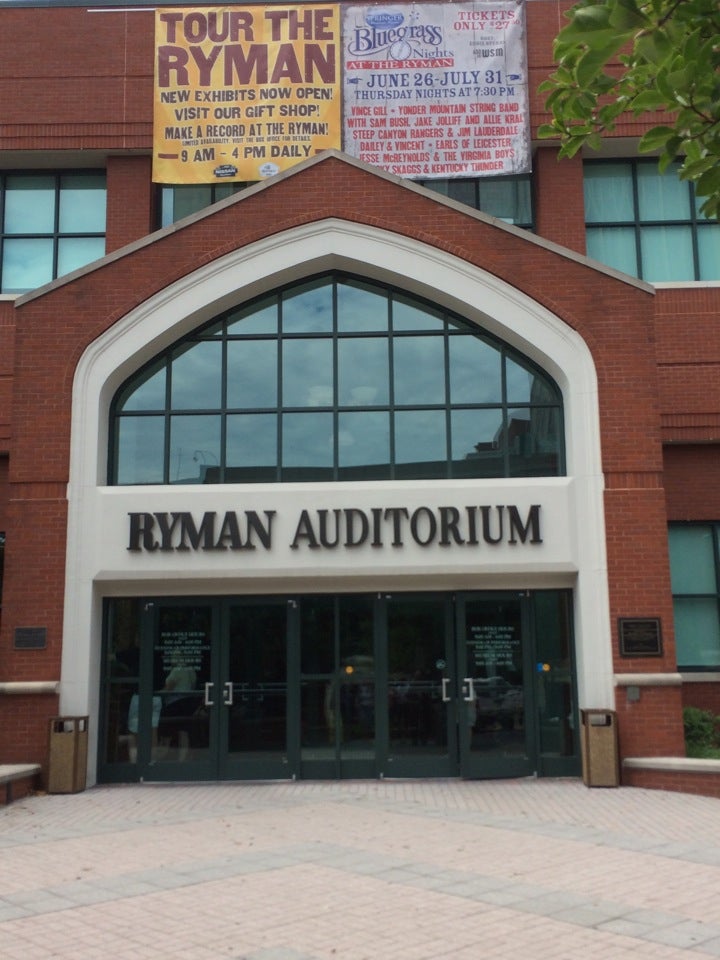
(336, 378)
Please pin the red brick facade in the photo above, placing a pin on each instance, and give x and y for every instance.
(657, 354)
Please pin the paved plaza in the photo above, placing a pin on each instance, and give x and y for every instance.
(379, 870)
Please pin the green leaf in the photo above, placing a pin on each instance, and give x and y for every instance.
(655, 139)
(626, 16)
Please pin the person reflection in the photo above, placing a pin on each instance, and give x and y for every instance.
(178, 706)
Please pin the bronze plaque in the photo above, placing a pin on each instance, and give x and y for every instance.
(640, 637)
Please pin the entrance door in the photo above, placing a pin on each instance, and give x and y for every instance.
(495, 711)
(219, 690)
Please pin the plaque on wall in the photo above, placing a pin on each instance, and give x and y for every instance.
(30, 638)
(640, 637)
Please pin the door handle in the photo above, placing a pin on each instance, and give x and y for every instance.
(208, 701)
(468, 689)
(228, 694)
(445, 681)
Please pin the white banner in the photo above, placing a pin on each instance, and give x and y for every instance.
(436, 90)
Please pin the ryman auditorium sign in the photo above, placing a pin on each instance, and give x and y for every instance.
(329, 529)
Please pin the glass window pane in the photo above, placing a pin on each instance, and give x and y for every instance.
(252, 373)
(614, 246)
(82, 203)
(260, 318)
(307, 373)
(692, 559)
(307, 440)
(309, 308)
(415, 354)
(608, 194)
(197, 376)
(709, 251)
(508, 200)
(363, 372)
(27, 264)
(141, 450)
(361, 308)
(195, 449)
(475, 371)
(697, 632)
(667, 253)
(76, 252)
(420, 437)
(30, 204)
(526, 385)
(409, 315)
(464, 191)
(662, 196)
(534, 442)
(364, 441)
(251, 448)
(476, 450)
(146, 391)
(187, 200)
(317, 633)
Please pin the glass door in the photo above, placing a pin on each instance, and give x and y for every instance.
(419, 708)
(254, 686)
(495, 712)
(176, 716)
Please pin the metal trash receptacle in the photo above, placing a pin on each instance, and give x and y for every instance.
(68, 754)
(600, 760)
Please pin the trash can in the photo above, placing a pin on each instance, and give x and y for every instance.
(600, 761)
(68, 754)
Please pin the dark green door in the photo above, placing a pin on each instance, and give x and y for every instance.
(495, 690)
(218, 707)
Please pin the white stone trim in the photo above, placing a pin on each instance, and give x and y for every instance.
(648, 680)
(376, 254)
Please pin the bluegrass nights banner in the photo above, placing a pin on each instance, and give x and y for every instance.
(430, 90)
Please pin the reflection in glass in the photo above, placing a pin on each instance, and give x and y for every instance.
(29, 204)
(363, 377)
(76, 252)
(195, 448)
(260, 318)
(533, 440)
(251, 448)
(307, 373)
(257, 718)
(420, 437)
(407, 314)
(307, 440)
(556, 706)
(317, 632)
(417, 721)
(141, 450)
(308, 308)
(82, 204)
(364, 442)
(252, 374)
(414, 354)
(475, 371)
(477, 449)
(147, 392)
(26, 264)
(361, 307)
(197, 376)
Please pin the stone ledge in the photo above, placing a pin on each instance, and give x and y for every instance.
(13, 772)
(673, 764)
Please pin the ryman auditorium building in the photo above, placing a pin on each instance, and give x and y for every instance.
(344, 473)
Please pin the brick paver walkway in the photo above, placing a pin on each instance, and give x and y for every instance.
(524, 869)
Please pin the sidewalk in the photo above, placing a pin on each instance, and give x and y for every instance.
(523, 869)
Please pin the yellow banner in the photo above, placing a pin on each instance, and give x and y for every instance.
(242, 93)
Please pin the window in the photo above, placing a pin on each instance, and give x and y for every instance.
(507, 198)
(336, 379)
(181, 201)
(51, 224)
(696, 594)
(648, 224)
